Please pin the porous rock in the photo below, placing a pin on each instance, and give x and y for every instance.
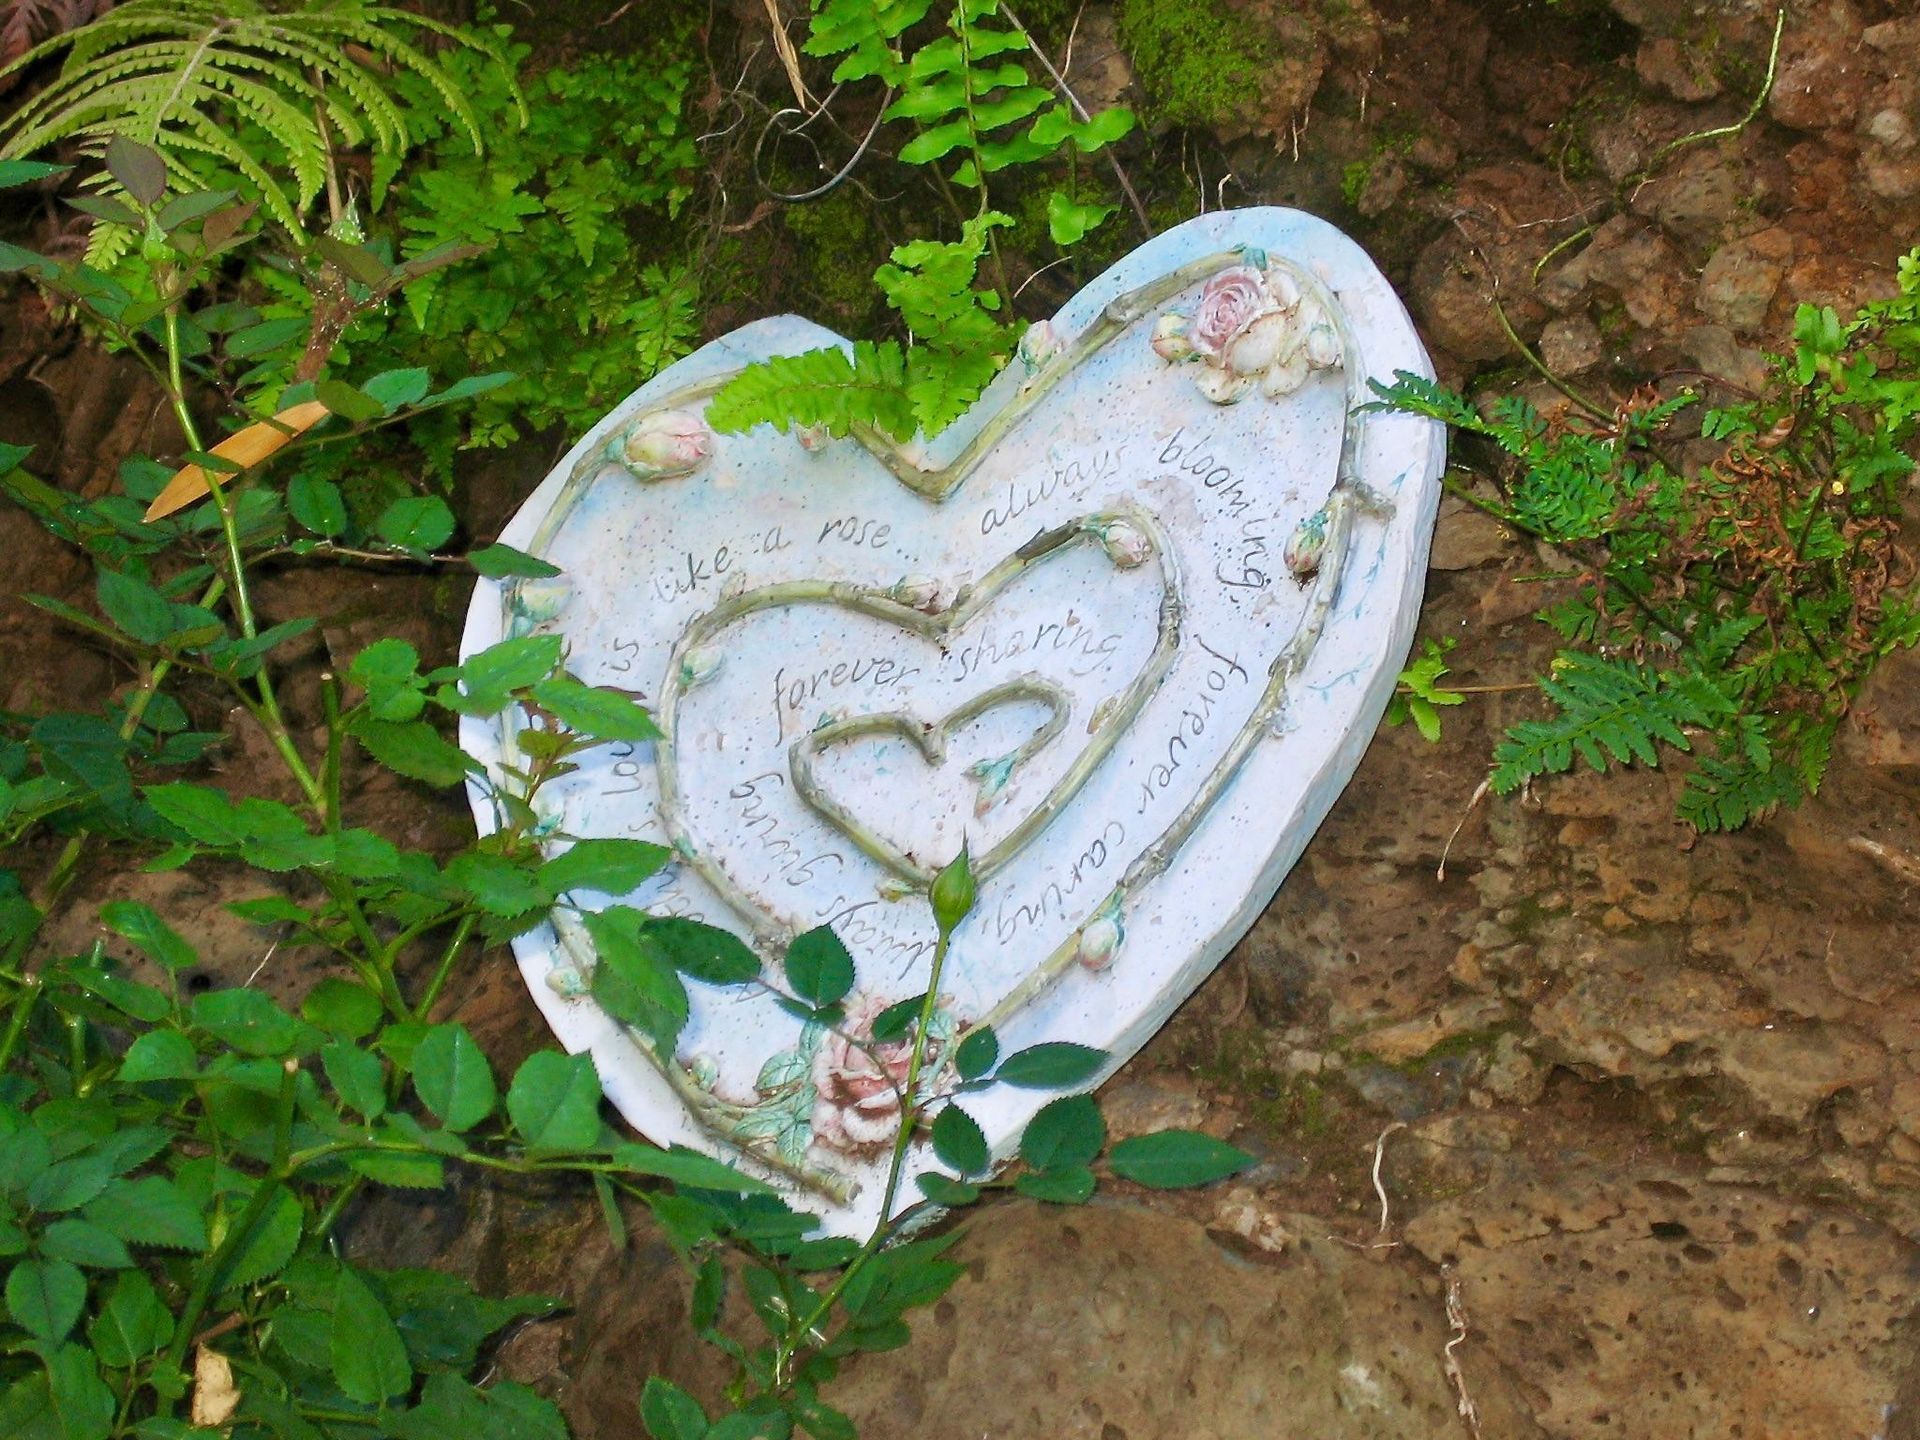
(1625, 1301)
(1120, 1323)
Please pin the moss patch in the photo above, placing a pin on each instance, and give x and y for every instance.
(1196, 65)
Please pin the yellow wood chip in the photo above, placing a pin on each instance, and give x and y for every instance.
(245, 448)
(214, 1396)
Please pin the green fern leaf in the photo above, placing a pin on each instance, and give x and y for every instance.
(188, 77)
(864, 384)
(1610, 712)
(1724, 793)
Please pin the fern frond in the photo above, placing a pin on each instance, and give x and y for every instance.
(838, 389)
(1610, 712)
(186, 76)
(866, 33)
(1724, 793)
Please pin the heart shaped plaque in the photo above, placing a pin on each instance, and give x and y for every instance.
(1125, 630)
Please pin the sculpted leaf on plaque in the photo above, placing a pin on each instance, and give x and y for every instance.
(1125, 630)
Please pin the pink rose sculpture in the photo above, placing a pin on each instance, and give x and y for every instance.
(1251, 329)
(857, 1087)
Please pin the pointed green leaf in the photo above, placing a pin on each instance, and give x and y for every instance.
(554, 1102)
(159, 1055)
(958, 1141)
(819, 967)
(151, 1210)
(1067, 1132)
(44, 1297)
(157, 940)
(139, 169)
(132, 1324)
(452, 1077)
(594, 710)
(670, 1413)
(612, 867)
(357, 1077)
(1051, 1065)
(1176, 1159)
(500, 562)
(976, 1053)
(416, 522)
(369, 1358)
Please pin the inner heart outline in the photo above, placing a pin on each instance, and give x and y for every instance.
(683, 671)
(1333, 523)
(930, 739)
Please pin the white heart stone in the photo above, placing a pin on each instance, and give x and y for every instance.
(1125, 629)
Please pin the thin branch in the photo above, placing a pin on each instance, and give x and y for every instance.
(1119, 174)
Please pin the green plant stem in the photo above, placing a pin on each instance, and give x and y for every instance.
(1592, 407)
(324, 1222)
(910, 1112)
(444, 969)
(17, 1018)
(176, 383)
(267, 705)
(1547, 259)
(1491, 507)
(207, 1276)
(330, 771)
(979, 162)
(1673, 147)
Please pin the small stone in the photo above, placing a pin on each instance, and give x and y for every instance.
(1513, 597)
(1665, 64)
(1630, 1007)
(1823, 76)
(1860, 1121)
(1512, 1076)
(1385, 187)
(1889, 173)
(1714, 349)
(1410, 1039)
(1887, 712)
(1466, 537)
(1571, 345)
(1099, 73)
(1242, 1212)
(1634, 261)
(1700, 199)
(1740, 280)
(1904, 1110)
(1154, 1102)
(1388, 1090)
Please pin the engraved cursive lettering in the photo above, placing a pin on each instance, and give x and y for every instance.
(764, 828)
(1195, 715)
(1193, 457)
(1052, 899)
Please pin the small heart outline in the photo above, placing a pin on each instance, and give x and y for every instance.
(930, 738)
(968, 602)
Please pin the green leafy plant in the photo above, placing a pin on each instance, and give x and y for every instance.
(896, 390)
(578, 278)
(174, 1164)
(177, 1163)
(976, 111)
(1419, 696)
(1739, 600)
(870, 1285)
(235, 85)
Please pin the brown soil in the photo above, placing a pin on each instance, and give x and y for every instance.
(1647, 1108)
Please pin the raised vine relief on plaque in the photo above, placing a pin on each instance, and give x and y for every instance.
(1124, 630)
